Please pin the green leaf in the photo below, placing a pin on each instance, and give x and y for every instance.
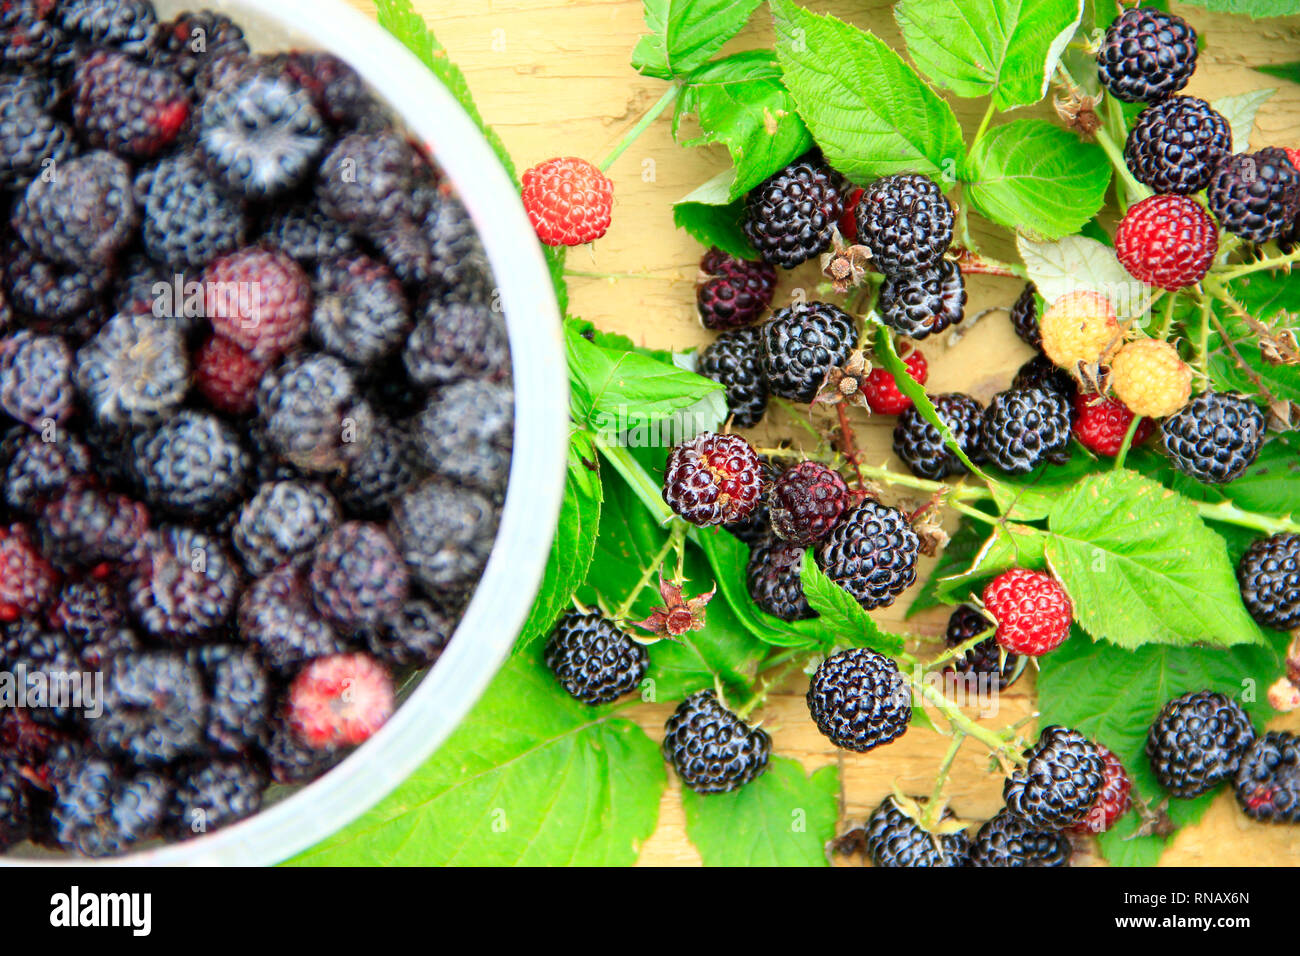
(713, 218)
(399, 18)
(1031, 497)
(1283, 71)
(1270, 486)
(1142, 567)
(783, 818)
(1007, 48)
(1076, 262)
(963, 547)
(479, 800)
(842, 616)
(741, 103)
(866, 108)
(728, 557)
(1008, 545)
(1037, 178)
(622, 393)
(1240, 111)
(1272, 298)
(574, 541)
(685, 33)
(629, 540)
(1255, 9)
(1113, 695)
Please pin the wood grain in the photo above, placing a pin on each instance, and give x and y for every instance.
(552, 76)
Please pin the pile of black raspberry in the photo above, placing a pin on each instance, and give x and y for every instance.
(196, 487)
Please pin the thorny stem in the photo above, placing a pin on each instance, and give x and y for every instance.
(849, 442)
(676, 539)
(646, 489)
(961, 723)
(1249, 372)
(941, 777)
(1203, 337)
(1167, 320)
(1128, 442)
(1274, 262)
(647, 118)
(760, 696)
(961, 649)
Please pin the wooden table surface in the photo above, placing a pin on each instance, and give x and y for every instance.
(552, 76)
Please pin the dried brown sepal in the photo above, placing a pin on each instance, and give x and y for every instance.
(679, 614)
(844, 384)
(1079, 112)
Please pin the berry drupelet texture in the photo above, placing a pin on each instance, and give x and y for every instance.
(1215, 436)
(713, 479)
(568, 200)
(801, 344)
(1061, 781)
(790, 217)
(282, 523)
(859, 700)
(339, 701)
(713, 750)
(1031, 610)
(1007, 841)
(896, 840)
(1024, 317)
(1267, 784)
(805, 502)
(1198, 741)
(735, 361)
(594, 659)
(906, 222)
(774, 579)
(1175, 144)
(1024, 427)
(871, 553)
(732, 292)
(1146, 55)
(1115, 799)
(921, 447)
(1255, 196)
(881, 386)
(984, 661)
(1167, 241)
(923, 303)
(357, 576)
(1269, 577)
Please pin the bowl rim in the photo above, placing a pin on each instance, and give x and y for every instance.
(504, 595)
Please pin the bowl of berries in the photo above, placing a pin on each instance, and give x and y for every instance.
(260, 548)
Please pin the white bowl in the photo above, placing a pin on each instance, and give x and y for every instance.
(488, 629)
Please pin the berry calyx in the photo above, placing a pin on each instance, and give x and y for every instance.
(1032, 611)
(568, 200)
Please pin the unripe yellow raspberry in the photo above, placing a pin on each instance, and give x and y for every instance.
(1080, 327)
(1150, 379)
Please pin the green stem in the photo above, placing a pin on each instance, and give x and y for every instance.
(1167, 320)
(612, 276)
(975, 513)
(961, 648)
(1135, 190)
(1203, 337)
(646, 488)
(1229, 513)
(984, 124)
(675, 539)
(940, 778)
(799, 419)
(649, 117)
(960, 722)
(1128, 442)
(1273, 262)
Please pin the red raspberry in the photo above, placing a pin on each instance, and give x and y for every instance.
(258, 298)
(733, 292)
(1033, 612)
(1101, 424)
(849, 221)
(806, 502)
(1113, 802)
(27, 580)
(339, 700)
(568, 201)
(881, 388)
(1167, 241)
(227, 376)
(713, 479)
